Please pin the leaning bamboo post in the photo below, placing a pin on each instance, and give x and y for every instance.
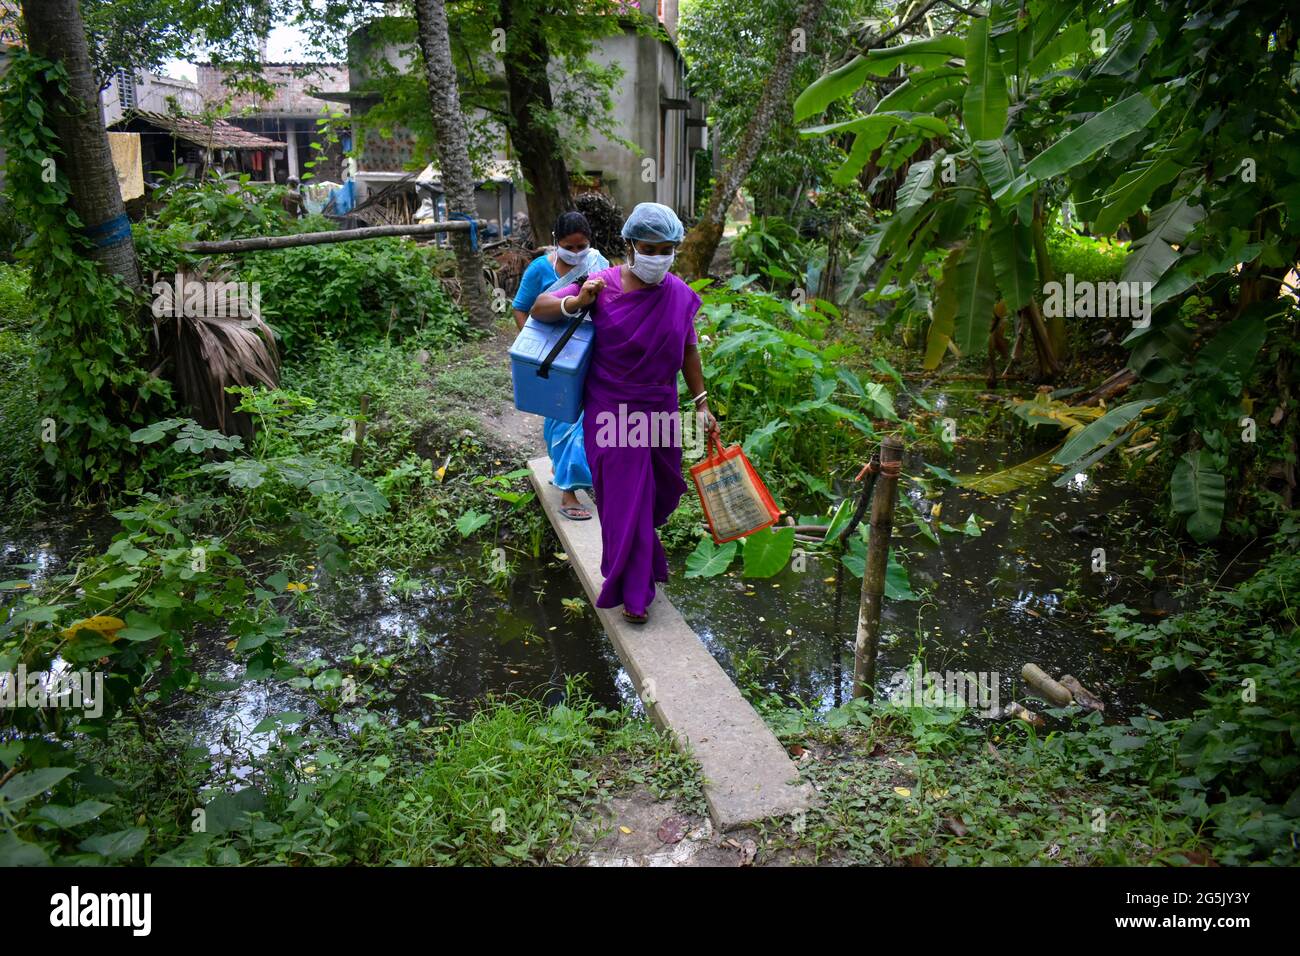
(873, 575)
(255, 243)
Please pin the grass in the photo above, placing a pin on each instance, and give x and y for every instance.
(508, 786)
(921, 787)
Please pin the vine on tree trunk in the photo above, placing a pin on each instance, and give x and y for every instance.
(91, 346)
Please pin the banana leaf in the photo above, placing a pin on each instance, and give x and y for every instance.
(1014, 478)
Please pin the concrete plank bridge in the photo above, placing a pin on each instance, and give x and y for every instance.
(748, 776)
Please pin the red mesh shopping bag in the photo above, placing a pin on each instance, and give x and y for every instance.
(736, 502)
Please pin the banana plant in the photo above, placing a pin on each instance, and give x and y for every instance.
(1127, 112)
(976, 195)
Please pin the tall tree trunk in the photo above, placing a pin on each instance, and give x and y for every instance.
(702, 241)
(453, 152)
(536, 143)
(55, 31)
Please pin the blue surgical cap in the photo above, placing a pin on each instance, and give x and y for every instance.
(653, 222)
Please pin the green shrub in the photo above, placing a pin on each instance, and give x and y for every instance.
(20, 459)
(353, 292)
(1086, 258)
(778, 384)
(221, 207)
(15, 306)
(773, 248)
(1238, 761)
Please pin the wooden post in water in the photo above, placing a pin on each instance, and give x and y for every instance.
(873, 575)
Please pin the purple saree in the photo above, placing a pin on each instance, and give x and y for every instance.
(641, 338)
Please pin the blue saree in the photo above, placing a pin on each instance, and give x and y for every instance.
(564, 441)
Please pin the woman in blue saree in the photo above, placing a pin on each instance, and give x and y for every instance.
(573, 256)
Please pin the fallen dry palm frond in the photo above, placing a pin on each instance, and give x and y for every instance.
(210, 354)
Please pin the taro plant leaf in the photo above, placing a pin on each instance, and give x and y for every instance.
(1106, 128)
(768, 551)
(878, 395)
(843, 514)
(1097, 432)
(470, 522)
(984, 107)
(924, 527)
(1151, 256)
(898, 586)
(709, 560)
(758, 444)
(1198, 492)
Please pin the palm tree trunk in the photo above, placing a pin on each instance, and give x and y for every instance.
(453, 152)
(702, 241)
(55, 31)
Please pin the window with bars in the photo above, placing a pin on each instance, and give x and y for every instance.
(126, 90)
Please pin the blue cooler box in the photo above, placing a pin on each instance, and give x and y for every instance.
(559, 395)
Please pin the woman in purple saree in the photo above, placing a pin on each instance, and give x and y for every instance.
(644, 335)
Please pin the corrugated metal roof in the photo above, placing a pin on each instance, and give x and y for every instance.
(215, 135)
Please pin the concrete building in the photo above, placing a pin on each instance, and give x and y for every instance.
(290, 115)
(653, 108)
(147, 93)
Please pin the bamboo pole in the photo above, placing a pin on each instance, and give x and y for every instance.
(873, 576)
(334, 235)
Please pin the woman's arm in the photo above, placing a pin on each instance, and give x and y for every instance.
(547, 306)
(520, 318)
(693, 372)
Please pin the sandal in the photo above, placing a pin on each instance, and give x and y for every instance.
(635, 618)
(575, 512)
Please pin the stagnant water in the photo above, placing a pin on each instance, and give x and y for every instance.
(987, 604)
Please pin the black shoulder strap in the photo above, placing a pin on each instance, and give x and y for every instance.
(544, 370)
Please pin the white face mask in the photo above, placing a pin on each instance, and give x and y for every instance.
(652, 269)
(572, 258)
